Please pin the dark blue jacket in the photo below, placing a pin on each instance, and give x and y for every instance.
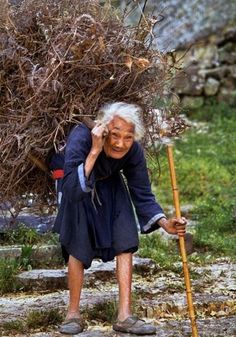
(95, 207)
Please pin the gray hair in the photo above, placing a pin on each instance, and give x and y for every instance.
(131, 113)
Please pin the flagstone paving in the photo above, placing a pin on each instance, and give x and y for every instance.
(159, 297)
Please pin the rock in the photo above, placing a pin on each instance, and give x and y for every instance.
(41, 223)
(216, 270)
(10, 252)
(219, 73)
(193, 103)
(186, 210)
(42, 228)
(189, 82)
(205, 56)
(188, 239)
(227, 54)
(39, 253)
(17, 307)
(177, 303)
(53, 279)
(228, 83)
(232, 71)
(191, 224)
(43, 279)
(210, 327)
(229, 36)
(46, 253)
(228, 96)
(211, 87)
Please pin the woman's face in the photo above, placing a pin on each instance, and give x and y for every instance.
(120, 138)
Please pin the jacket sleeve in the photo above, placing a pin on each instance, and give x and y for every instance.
(75, 185)
(147, 209)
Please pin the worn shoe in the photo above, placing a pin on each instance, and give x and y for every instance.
(134, 325)
(71, 326)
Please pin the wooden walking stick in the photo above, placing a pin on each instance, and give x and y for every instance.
(181, 241)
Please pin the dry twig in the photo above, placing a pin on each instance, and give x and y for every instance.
(60, 61)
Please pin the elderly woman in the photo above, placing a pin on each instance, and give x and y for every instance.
(96, 217)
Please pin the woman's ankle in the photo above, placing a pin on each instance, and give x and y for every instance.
(73, 314)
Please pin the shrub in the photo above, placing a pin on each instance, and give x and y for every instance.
(8, 271)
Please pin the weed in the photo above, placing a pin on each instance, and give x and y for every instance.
(104, 312)
(34, 320)
(43, 319)
(13, 327)
(8, 271)
(107, 311)
(26, 256)
(24, 235)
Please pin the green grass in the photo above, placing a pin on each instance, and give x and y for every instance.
(205, 162)
(216, 227)
(8, 271)
(159, 250)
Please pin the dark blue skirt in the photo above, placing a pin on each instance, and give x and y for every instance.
(100, 225)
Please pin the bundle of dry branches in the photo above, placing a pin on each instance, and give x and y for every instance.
(60, 61)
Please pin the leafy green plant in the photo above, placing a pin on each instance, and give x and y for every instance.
(25, 259)
(8, 271)
(22, 235)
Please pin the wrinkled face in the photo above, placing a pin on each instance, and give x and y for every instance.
(120, 138)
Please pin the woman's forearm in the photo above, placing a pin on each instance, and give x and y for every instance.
(89, 162)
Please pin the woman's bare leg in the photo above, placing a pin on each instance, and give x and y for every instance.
(75, 282)
(124, 267)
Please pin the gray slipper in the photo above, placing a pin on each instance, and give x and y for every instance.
(134, 325)
(71, 326)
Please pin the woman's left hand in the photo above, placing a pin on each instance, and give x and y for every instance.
(174, 225)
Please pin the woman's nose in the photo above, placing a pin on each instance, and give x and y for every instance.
(120, 143)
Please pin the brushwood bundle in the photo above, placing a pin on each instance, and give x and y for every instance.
(60, 62)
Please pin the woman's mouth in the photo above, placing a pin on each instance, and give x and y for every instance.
(117, 150)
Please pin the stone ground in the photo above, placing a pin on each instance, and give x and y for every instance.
(159, 296)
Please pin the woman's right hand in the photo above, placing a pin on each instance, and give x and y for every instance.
(99, 133)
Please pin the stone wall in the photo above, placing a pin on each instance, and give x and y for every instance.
(210, 71)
